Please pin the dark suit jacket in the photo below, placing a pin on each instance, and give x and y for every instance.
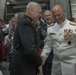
(42, 32)
(25, 57)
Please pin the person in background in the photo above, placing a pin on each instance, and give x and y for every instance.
(61, 38)
(48, 17)
(25, 58)
(6, 21)
(9, 38)
(42, 32)
(6, 27)
(18, 16)
(42, 21)
(2, 50)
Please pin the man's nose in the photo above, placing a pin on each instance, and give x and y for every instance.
(57, 17)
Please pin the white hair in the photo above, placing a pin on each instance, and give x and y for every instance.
(32, 4)
(47, 11)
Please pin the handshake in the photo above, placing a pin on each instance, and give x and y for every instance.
(40, 67)
(43, 60)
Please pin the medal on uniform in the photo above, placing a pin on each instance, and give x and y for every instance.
(68, 35)
(65, 34)
(69, 42)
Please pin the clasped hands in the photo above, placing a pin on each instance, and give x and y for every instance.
(43, 60)
(40, 67)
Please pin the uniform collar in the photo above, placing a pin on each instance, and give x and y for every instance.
(28, 18)
(50, 25)
(62, 24)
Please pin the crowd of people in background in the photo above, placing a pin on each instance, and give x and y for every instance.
(36, 49)
(7, 29)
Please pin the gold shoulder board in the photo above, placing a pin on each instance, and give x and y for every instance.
(72, 23)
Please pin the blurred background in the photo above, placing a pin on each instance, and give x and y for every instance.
(9, 7)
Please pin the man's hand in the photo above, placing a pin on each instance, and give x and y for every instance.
(43, 60)
(40, 71)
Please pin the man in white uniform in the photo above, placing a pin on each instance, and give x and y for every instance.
(48, 17)
(62, 38)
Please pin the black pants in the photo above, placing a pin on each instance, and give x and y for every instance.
(47, 68)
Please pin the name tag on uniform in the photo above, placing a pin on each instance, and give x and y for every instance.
(52, 33)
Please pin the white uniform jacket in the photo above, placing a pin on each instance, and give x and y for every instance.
(64, 51)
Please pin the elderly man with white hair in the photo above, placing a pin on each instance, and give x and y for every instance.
(25, 57)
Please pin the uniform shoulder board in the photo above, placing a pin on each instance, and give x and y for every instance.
(72, 23)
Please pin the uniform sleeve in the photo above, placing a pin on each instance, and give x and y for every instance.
(47, 47)
(27, 39)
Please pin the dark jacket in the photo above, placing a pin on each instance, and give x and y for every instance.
(42, 32)
(25, 57)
